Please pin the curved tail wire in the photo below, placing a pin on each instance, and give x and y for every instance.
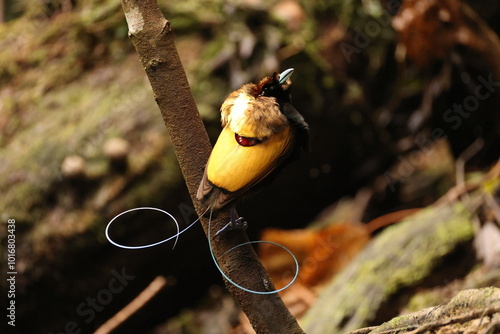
(209, 237)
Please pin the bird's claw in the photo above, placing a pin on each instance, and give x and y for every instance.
(238, 224)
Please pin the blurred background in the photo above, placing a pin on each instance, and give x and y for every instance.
(397, 94)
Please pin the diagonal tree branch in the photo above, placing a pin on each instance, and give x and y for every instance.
(153, 39)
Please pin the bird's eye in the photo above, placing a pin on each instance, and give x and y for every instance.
(267, 89)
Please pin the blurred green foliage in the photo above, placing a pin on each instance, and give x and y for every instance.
(55, 41)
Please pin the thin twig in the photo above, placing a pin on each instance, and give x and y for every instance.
(458, 319)
(465, 156)
(493, 206)
(463, 318)
(460, 189)
(365, 330)
(151, 290)
(390, 218)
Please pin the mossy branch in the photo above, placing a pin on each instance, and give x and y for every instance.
(153, 39)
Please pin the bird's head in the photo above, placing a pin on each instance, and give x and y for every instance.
(277, 85)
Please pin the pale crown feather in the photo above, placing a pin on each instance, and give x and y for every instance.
(249, 116)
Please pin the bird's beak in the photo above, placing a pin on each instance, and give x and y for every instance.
(285, 75)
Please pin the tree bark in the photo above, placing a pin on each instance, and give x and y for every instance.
(473, 311)
(153, 39)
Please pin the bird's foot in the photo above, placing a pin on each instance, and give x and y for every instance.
(238, 224)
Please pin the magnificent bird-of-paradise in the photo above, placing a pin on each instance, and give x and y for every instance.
(261, 132)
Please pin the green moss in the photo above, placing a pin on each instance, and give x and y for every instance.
(423, 300)
(399, 257)
(463, 303)
(95, 108)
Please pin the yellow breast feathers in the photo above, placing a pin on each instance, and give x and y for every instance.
(234, 167)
